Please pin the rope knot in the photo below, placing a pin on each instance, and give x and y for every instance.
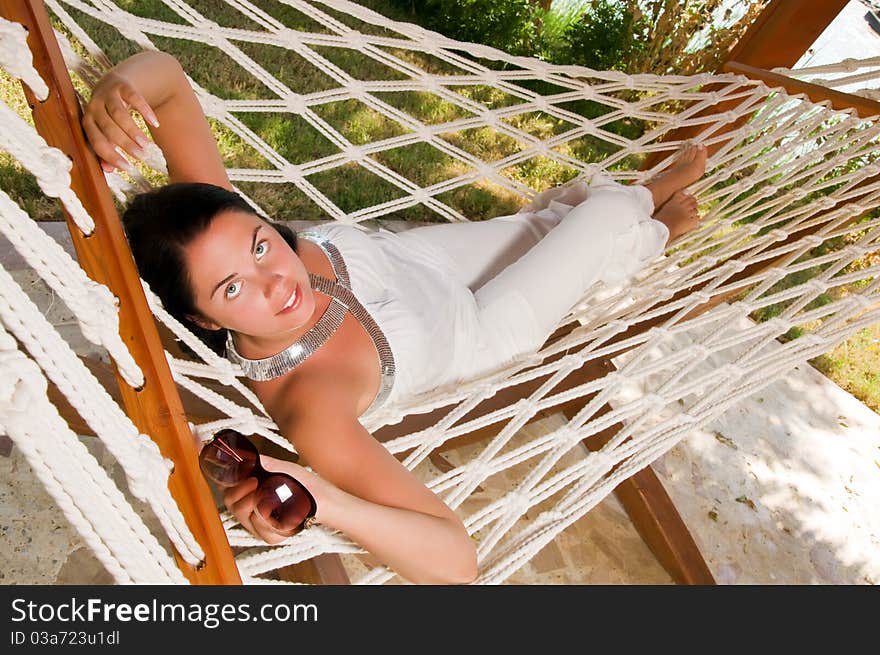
(813, 339)
(354, 153)
(53, 172)
(600, 461)
(858, 302)
(431, 84)
(816, 285)
(775, 274)
(20, 383)
(700, 351)
(486, 170)
(526, 406)
(357, 89)
(572, 360)
(485, 390)
(16, 57)
(734, 265)
(778, 324)
(854, 209)
(655, 402)
(246, 424)
(153, 470)
(213, 106)
(617, 325)
(356, 40)
(659, 332)
(518, 500)
(550, 516)
(778, 234)
(708, 260)
(295, 103)
(567, 436)
(479, 468)
(100, 323)
(292, 172)
(856, 251)
(613, 379)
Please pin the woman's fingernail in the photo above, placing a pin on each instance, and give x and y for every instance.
(142, 141)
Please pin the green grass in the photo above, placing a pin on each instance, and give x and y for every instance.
(855, 366)
(352, 187)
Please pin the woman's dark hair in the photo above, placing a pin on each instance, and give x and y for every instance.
(159, 224)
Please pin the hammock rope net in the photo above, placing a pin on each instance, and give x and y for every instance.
(791, 229)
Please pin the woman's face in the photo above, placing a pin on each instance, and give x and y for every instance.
(246, 278)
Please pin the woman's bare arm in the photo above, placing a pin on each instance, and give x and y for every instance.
(366, 493)
(153, 84)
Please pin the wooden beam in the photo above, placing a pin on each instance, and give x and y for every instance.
(784, 31)
(655, 517)
(155, 408)
(323, 569)
(864, 107)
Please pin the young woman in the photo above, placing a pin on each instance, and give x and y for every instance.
(332, 323)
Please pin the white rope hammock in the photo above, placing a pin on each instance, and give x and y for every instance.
(793, 166)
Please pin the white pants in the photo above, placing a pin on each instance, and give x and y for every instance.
(529, 269)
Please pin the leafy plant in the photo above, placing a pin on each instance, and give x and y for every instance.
(509, 25)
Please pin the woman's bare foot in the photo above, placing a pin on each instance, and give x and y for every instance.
(689, 166)
(679, 214)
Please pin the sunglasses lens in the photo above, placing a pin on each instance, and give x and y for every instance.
(284, 503)
(228, 459)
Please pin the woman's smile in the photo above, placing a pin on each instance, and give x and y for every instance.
(293, 301)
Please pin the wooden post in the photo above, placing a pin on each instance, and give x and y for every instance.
(155, 408)
(784, 31)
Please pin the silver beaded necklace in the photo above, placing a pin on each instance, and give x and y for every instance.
(342, 300)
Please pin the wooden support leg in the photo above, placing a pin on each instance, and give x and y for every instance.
(655, 517)
(324, 569)
(662, 528)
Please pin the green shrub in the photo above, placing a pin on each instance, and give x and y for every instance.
(509, 25)
(605, 38)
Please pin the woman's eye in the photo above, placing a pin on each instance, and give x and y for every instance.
(233, 289)
(261, 249)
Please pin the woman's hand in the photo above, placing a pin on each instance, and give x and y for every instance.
(153, 84)
(241, 500)
(109, 125)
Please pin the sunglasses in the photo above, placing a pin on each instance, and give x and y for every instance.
(282, 501)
